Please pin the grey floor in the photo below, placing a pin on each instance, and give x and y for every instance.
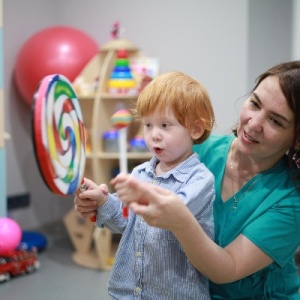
(58, 278)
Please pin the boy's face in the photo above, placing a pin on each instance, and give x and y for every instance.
(167, 138)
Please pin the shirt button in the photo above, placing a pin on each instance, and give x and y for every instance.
(138, 289)
(138, 254)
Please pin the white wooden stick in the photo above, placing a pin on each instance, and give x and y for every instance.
(122, 140)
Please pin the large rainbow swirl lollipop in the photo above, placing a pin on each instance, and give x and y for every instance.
(58, 135)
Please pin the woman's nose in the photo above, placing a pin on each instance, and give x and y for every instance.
(256, 123)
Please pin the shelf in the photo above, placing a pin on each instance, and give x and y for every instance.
(97, 108)
(86, 98)
(123, 97)
(115, 155)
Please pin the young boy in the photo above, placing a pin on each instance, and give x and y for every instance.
(176, 113)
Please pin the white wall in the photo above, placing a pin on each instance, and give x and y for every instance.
(270, 35)
(296, 30)
(209, 40)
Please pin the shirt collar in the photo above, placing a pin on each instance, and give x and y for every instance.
(179, 172)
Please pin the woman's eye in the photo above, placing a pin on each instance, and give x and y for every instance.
(254, 103)
(147, 125)
(164, 125)
(275, 122)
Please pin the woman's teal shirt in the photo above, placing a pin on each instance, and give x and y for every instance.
(268, 214)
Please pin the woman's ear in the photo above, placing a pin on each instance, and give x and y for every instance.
(197, 130)
(297, 143)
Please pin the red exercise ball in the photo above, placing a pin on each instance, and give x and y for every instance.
(56, 50)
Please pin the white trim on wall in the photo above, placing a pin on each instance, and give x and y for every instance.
(296, 30)
(3, 205)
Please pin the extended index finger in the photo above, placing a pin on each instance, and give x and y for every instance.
(119, 178)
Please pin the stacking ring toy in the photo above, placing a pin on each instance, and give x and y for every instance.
(58, 135)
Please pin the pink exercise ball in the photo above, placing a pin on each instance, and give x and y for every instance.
(56, 50)
(10, 235)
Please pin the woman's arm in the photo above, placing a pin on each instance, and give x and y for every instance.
(221, 265)
(162, 208)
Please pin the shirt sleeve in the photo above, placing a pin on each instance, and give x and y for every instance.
(110, 215)
(277, 231)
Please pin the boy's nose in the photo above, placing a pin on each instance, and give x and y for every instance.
(155, 134)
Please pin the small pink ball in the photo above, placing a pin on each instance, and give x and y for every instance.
(10, 235)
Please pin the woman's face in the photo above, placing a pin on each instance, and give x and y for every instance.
(266, 126)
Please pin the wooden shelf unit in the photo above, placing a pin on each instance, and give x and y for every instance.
(98, 108)
(95, 247)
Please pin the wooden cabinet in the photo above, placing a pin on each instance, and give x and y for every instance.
(98, 108)
(95, 247)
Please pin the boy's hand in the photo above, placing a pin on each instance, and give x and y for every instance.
(87, 201)
(127, 187)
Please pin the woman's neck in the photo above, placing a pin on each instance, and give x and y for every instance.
(241, 168)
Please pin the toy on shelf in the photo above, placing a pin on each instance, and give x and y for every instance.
(121, 79)
(115, 31)
(85, 88)
(137, 144)
(88, 140)
(121, 120)
(110, 140)
(144, 69)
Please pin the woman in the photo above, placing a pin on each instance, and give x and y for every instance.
(257, 205)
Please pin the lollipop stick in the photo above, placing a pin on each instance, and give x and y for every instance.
(122, 140)
(121, 120)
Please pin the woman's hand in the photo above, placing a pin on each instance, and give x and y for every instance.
(87, 201)
(159, 207)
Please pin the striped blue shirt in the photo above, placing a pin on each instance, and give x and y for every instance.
(150, 263)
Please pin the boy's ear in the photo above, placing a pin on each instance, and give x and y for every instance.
(197, 130)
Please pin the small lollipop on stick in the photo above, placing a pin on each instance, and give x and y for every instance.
(121, 120)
